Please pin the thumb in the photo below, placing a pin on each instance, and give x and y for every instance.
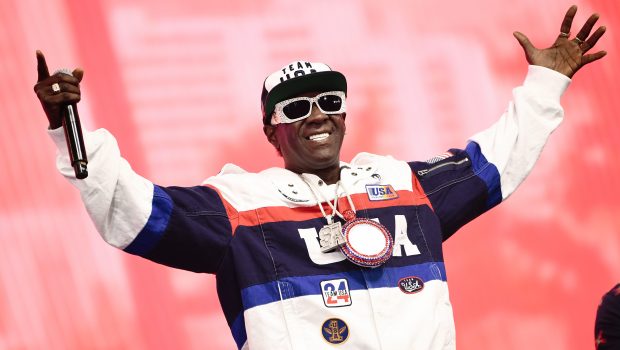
(78, 73)
(523, 41)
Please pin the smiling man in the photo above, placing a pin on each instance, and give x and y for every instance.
(314, 145)
(324, 253)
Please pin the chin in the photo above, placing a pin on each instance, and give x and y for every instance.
(325, 161)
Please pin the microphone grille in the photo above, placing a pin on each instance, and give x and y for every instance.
(63, 71)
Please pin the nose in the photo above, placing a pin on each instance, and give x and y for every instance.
(316, 116)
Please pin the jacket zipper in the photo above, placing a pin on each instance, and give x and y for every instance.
(426, 171)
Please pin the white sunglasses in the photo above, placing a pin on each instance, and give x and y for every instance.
(299, 108)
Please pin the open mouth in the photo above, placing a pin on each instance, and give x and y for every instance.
(318, 137)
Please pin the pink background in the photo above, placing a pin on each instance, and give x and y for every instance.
(179, 85)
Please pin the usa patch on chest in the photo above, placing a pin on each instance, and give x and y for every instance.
(381, 192)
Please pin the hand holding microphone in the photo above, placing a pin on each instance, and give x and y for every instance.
(59, 95)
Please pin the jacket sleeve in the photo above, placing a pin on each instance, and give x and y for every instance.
(495, 161)
(183, 227)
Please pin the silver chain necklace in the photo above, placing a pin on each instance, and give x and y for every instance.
(364, 242)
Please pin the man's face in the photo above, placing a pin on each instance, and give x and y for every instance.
(312, 144)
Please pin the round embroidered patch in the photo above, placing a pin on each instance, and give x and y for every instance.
(335, 331)
(411, 284)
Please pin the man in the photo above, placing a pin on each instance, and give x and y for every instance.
(607, 321)
(324, 253)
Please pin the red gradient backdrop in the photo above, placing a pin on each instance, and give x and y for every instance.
(179, 84)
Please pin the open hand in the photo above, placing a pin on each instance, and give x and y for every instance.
(56, 91)
(566, 55)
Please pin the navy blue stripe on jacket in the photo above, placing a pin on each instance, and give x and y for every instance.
(460, 188)
(191, 234)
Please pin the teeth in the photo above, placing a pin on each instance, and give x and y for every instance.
(319, 137)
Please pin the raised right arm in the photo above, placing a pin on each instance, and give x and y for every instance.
(183, 227)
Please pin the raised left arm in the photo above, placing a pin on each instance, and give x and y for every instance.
(502, 156)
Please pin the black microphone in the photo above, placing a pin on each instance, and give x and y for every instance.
(73, 135)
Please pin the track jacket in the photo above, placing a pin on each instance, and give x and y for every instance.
(257, 232)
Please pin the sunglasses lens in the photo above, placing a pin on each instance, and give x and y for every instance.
(330, 103)
(297, 109)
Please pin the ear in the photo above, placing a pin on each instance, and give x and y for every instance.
(270, 132)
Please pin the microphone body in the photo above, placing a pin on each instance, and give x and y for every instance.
(75, 141)
(73, 135)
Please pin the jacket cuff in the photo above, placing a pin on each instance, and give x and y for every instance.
(58, 137)
(546, 82)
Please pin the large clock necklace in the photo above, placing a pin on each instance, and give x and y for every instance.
(363, 241)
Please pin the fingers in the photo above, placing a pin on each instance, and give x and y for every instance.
(592, 57)
(62, 98)
(65, 87)
(587, 27)
(67, 82)
(525, 44)
(42, 70)
(568, 19)
(592, 40)
(51, 99)
(68, 89)
(44, 90)
(67, 94)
